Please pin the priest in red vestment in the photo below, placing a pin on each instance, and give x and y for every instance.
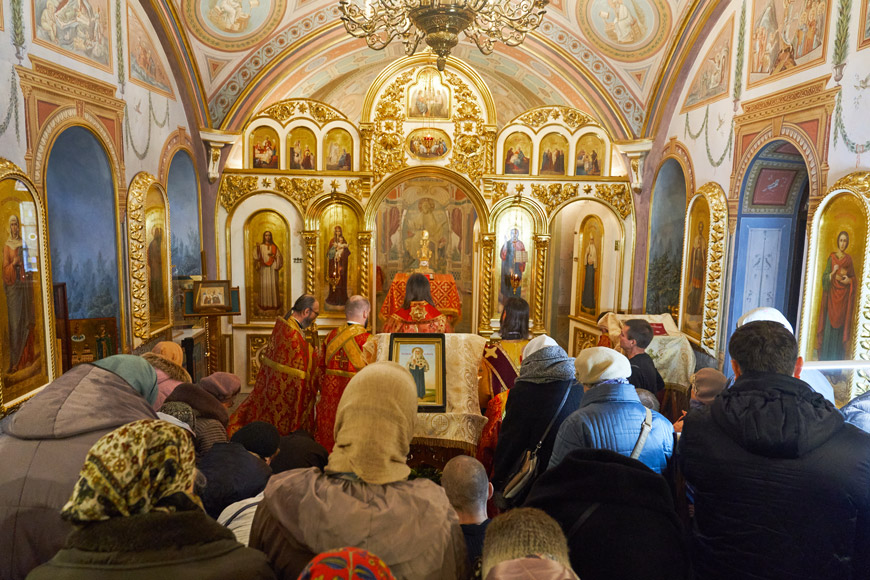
(347, 349)
(285, 390)
(418, 312)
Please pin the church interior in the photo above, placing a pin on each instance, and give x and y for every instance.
(682, 161)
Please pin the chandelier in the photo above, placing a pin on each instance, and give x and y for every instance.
(439, 22)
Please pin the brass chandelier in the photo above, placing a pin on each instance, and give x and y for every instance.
(439, 22)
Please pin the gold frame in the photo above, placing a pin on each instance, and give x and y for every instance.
(714, 276)
(9, 170)
(577, 306)
(856, 184)
(286, 251)
(137, 248)
(399, 339)
(436, 133)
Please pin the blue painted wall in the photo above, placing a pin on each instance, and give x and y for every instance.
(181, 188)
(666, 238)
(81, 219)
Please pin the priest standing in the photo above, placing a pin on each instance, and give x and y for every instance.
(347, 349)
(285, 390)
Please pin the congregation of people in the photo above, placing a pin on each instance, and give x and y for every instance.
(126, 468)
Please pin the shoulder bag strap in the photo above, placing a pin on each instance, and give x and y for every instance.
(553, 420)
(582, 520)
(644, 433)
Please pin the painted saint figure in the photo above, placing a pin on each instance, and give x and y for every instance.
(336, 263)
(697, 272)
(19, 299)
(419, 366)
(156, 295)
(834, 327)
(268, 261)
(590, 265)
(513, 262)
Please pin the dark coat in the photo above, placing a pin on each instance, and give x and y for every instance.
(644, 374)
(529, 408)
(633, 533)
(781, 484)
(43, 447)
(157, 546)
(232, 474)
(211, 416)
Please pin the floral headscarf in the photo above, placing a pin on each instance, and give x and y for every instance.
(346, 564)
(138, 468)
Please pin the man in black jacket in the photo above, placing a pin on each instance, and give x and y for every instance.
(635, 337)
(781, 485)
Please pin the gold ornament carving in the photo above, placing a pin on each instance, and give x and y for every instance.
(539, 117)
(553, 195)
(859, 182)
(357, 188)
(137, 248)
(310, 239)
(256, 344)
(469, 153)
(542, 248)
(715, 265)
(499, 190)
(285, 110)
(365, 133)
(489, 137)
(234, 188)
(299, 190)
(583, 340)
(617, 195)
(365, 249)
(388, 150)
(487, 252)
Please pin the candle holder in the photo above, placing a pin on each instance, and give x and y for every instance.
(515, 280)
(334, 276)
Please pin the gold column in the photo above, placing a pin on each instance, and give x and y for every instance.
(365, 252)
(487, 247)
(489, 161)
(213, 343)
(542, 248)
(310, 239)
(366, 130)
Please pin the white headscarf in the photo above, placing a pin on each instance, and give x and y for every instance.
(537, 344)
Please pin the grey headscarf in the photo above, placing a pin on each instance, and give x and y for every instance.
(547, 365)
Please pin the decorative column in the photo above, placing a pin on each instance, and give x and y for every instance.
(487, 251)
(364, 240)
(310, 239)
(542, 248)
(366, 130)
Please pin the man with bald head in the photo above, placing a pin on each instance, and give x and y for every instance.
(346, 350)
(468, 488)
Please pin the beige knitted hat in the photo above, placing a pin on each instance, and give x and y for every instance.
(523, 532)
(374, 424)
(600, 363)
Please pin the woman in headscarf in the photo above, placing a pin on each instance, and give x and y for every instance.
(166, 357)
(501, 366)
(346, 564)
(211, 415)
(44, 444)
(364, 497)
(546, 375)
(135, 515)
(418, 312)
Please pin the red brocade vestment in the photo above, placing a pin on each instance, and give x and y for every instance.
(285, 390)
(420, 317)
(343, 356)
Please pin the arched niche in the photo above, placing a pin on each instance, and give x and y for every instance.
(517, 223)
(302, 148)
(399, 210)
(267, 257)
(337, 257)
(704, 255)
(665, 256)
(85, 236)
(836, 302)
(28, 359)
(182, 189)
(264, 146)
(150, 261)
(338, 150)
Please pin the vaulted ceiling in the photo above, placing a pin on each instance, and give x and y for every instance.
(239, 56)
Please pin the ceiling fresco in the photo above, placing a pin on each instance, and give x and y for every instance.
(604, 56)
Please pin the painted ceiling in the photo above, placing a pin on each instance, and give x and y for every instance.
(239, 56)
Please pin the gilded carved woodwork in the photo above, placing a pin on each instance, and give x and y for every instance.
(310, 240)
(542, 248)
(617, 195)
(583, 340)
(487, 254)
(365, 133)
(358, 188)
(285, 110)
(256, 344)
(299, 190)
(715, 276)
(388, 151)
(469, 153)
(364, 240)
(136, 235)
(234, 188)
(537, 118)
(554, 194)
(499, 190)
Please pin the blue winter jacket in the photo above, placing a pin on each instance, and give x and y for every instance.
(610, 417)
(857, 412)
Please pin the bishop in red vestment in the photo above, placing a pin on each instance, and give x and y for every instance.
(418, 312)
(285, 390)
(347, 349)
